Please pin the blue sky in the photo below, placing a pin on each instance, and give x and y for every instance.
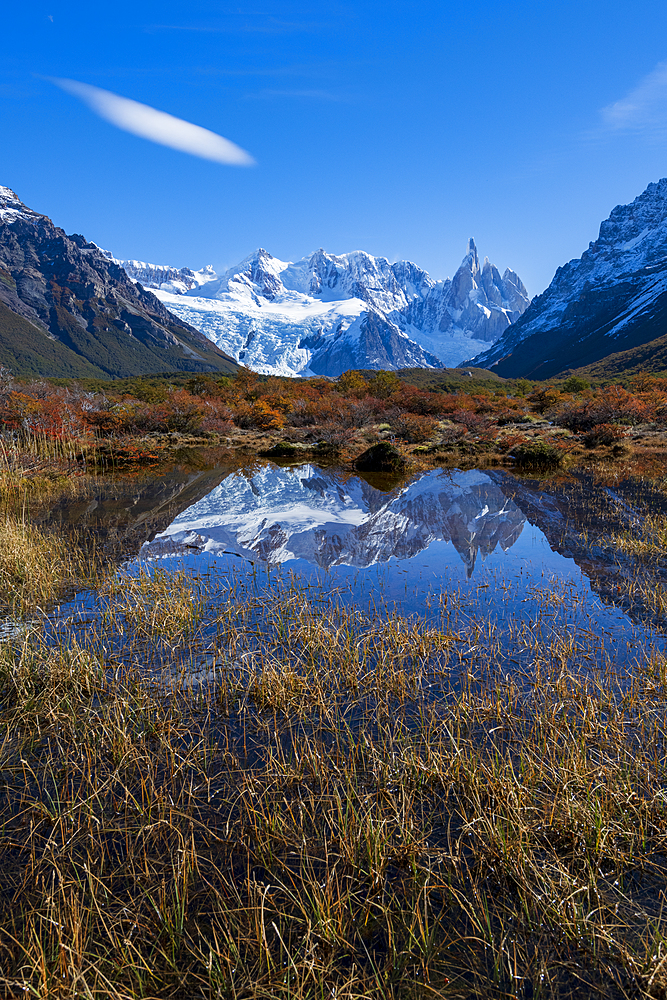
(396, 128)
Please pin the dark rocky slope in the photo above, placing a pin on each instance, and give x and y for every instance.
(66, 310)
(611, 300)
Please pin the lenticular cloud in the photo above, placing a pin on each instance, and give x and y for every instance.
(158, 126)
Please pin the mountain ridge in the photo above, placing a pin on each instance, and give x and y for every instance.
(325, 312)
(611, 300)
(66, 309)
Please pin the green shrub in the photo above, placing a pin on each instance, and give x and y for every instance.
(537, 454)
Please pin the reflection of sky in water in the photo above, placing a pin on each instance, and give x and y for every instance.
(445, 533)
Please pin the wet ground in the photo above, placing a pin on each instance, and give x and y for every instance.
(518, 562)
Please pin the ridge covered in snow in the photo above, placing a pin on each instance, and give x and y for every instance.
(327, 313)
(612, 298)
(163, 277)
(12, 208)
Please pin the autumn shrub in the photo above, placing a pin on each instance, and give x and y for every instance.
(474, 423)
(537, 454)
(217, 418)
(55, 414)
(417, 400)
(333, 434)
(509, 442)
(449, 402)
(383, 384)
(483, 402)
(129, 416)
(603, 434)
(107, 422)
(312, 412)
(258, 416)
(352, 383)
(544, 399)
(450, 433)
(182, 412)
(363, 411)
(609, 406)
(413, 428)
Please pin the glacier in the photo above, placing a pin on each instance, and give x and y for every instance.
(327, 313)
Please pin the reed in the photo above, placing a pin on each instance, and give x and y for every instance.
(345, 805)
(37, 567)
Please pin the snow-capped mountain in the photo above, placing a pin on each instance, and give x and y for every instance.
(277, 515)
(613, 298)
(163, 276)
(325, 314)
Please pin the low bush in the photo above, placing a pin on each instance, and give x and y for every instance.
(413, 428)
(537, 454)
(603, 434)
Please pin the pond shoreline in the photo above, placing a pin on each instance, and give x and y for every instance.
(227, 781)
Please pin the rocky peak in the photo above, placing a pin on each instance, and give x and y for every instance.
(613, 298)
(69, 289)
(464, 281)
(12, 208)
(261, 269)
(9, 197)
(492, 283)
(325, 271)
(637, 228)
(471, 254)
(515, 293)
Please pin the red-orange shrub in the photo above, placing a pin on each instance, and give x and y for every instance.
(413, 428)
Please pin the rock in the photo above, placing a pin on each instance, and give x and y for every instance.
(382, 457)
(611, 300)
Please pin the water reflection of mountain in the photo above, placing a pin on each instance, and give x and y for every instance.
(117, 514)
(579, 515)
(276, 514)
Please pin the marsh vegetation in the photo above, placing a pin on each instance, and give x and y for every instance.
(228, 780)
(434, 417)
(277, 796)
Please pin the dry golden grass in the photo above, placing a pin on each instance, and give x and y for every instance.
(347, 808)
(159, 604)
(36, 567)
(647, 537)
(244, 794)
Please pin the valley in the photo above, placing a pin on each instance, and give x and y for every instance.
(330, 663)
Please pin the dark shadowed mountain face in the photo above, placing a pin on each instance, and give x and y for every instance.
(66, 310)
(610, 300)
(118, 513)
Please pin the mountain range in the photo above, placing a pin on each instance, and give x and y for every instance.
(325, 314)
(67, 310)
(610, 303)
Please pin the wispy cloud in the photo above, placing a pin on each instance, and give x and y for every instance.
(643, 110)
(157, 126)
